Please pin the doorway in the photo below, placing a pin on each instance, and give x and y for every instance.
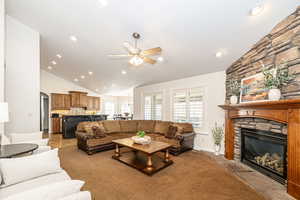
(44, 112)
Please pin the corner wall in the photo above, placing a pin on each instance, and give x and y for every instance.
(214, 87)
(2, 55)
(22, 77)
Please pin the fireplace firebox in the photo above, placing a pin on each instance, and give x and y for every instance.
(265, 152)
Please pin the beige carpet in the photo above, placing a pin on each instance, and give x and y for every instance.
(193, 176)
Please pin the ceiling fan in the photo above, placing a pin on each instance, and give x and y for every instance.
(136, 55)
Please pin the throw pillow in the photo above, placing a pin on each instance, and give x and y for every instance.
(98, 132)
(50, 192)
(171, 132)
(15, 170)
(180, 131)
(78, 196)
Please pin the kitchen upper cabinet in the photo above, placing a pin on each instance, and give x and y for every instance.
(93, 103)
(60, 101)
(79, 99)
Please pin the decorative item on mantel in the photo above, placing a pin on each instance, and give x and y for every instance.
(275, 81)
(217, 133)
(234, 89)
(141, 138)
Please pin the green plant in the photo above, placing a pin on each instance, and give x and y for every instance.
(277, 77)
(217, 133)
(141, 133)
(234, 87)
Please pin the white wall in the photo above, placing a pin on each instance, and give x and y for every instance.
(2, 59)
(22, 77)
(214, 84)
(51, 83)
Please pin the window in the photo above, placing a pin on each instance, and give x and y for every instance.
(109, 109)
(125, 108)
(188, 106)
(153, 107)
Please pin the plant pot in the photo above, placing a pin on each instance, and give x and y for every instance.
(274, 94)
(233, 99)
(217, 149)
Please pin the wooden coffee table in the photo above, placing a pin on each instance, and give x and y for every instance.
(143, 157)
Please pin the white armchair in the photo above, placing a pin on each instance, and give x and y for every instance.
(36, 138)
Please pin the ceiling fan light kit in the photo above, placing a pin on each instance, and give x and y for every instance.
(137, 55)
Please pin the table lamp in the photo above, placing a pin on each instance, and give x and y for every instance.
(4, 116)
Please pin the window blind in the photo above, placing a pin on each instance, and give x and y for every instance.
(153, 107)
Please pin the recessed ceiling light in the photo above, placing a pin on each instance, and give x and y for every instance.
(90, 73)
(123, 72)
(53, 62)
(160, 59)
(76, 79)
(73, 38)
(219, 54)
(50, 67)
(257, 10)
(103, 3)
(82, 77)
(59, 56)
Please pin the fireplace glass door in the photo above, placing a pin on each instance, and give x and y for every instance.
(265, 151)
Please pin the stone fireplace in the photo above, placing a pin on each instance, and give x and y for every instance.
(265, 151)
(276, 118)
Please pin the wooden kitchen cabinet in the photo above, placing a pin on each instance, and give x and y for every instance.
(60, 101)
(93, 103)
(56, 125)
(79, 99)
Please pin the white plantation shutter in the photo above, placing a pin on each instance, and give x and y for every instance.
(188, 106)
(179, 106)
(148, 108)
(153, 107)
(157, 107)
(109, 109)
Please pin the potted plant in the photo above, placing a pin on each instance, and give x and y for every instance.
(217, 133)
(274, 79)
(234, 90)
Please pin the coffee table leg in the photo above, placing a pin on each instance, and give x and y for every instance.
(149, 163)
(117, 151)
(167, 156)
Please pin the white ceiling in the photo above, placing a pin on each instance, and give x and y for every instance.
(190, 32)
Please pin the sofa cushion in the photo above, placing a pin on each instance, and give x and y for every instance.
(129, 125)
(171, 132)
(51, 191)
(112, 126)
(80, 126)
(92, 142)
(33, 183)
(98, 132)
(187, 127)
(146, 125)
(88, 127)
(85, 195)
(161, 127)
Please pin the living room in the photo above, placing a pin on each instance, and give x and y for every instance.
(106, 99)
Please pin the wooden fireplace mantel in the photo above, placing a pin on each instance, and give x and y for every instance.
(284, 111)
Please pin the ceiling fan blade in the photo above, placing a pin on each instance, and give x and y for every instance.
(152, 51)
(149, 60)
(128, 47)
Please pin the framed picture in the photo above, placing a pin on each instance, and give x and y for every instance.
(253, 89)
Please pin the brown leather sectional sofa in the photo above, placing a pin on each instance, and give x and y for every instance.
(91, 143)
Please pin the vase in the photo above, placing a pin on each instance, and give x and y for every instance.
(274, 94)
(217, 149)
(233, 99)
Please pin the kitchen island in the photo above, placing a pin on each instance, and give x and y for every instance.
(70, 122)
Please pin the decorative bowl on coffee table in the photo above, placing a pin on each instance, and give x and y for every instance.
(141, 140)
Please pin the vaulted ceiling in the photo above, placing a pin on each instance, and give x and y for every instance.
(190, 32)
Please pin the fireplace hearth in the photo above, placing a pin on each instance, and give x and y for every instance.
(266, 152)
